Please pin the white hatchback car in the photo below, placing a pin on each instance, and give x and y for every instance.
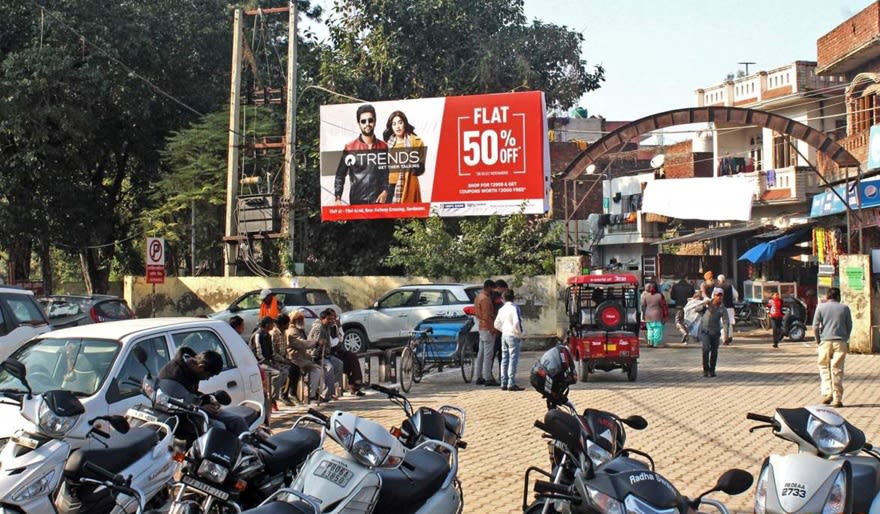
(395, 314)
(98, 364)
(21, 318)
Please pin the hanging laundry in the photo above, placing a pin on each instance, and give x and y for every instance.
(737, 165)
(750, 166)
(771, 178)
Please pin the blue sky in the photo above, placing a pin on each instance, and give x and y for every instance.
(657, 53)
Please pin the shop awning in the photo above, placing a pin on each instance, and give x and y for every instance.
(712, 233)
(763, 252)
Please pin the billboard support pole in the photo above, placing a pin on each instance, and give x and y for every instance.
(290, 129)
(233, 150)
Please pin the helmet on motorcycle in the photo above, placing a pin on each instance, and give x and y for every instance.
(553, 373)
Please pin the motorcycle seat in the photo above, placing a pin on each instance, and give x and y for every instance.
(405, 490)
(292, 448)
(123, 450)
(278, 507)
(243, 411)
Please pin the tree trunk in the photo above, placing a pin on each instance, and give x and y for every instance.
(20, 260)
(84, 269)
(46, 266)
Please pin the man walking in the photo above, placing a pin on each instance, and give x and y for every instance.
(731, 295)
(832, 325)
(681, 293)
(712, 323)
(364, 162)
(509, 323)
(485, 314)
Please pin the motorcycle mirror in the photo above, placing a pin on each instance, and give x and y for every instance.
(63, 403)
(637, 422)
(119, 423)
(18, 370)
(222, 397)
(140, 354)
(734, 481)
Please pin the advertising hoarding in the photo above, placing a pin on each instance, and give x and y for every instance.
(455, 156)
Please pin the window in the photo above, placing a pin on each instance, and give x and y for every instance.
(318, 297)
(25, 310)
(112, 310)
(201, 341)
(396, 299)
(784, 152)
(3, 329)
(431, 298)
(132, 372)
(251, 301)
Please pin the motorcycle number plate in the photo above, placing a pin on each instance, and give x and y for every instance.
(143, 416)
(198, 485)
(334, 472)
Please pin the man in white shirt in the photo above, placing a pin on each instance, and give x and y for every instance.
(509, 323)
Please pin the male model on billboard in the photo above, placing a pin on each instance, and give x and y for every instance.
(365, 161)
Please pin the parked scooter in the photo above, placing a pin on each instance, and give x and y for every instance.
(130, 468)
(425, 423)
(377, 474)
(827, 474)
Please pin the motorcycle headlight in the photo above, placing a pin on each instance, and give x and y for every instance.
(54, 425)
(366, 452)
(605, 503)
(39, 487)
(635, 505)
(761, 492)
(830, 439)
(212, 471)
(836, 501)
(597, 454)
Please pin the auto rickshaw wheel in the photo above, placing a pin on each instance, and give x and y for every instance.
(632, 371)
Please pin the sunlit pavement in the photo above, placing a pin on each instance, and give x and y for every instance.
(697, 426)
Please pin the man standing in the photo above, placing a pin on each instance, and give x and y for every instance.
(509, 323)
(832, 325)
(261, 345)
(708, 285)
(731, 295)
(497, 303)
(280, 361)
(268, 304)
(485, 314)
(681, 293)
(774, 311)
(364, 160)
(712, 323)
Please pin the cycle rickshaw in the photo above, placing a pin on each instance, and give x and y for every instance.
(435, 343)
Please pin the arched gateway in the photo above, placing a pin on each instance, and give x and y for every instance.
(735, 115)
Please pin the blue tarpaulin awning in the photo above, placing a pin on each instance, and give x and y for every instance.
(763, 252)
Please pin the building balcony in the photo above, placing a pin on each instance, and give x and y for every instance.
(785, 185)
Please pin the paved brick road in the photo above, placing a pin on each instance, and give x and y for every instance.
(696, 426)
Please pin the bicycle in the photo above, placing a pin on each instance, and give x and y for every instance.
(435, 343)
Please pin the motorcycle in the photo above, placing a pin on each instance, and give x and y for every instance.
(133, 464)
(827, 474)
(616, 485)
(424, 424)
(225, 472)
(377, 473)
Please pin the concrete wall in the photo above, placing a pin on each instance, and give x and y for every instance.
(197, 296)
(855, 291)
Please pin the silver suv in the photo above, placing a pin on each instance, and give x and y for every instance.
(21, 318)
(389, 321)
(310, 301)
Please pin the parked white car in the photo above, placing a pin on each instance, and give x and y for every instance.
(21, 318)
(390, 320)
(310, 301)
(98, 364)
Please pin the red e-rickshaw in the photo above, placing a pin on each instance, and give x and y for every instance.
(603, 313)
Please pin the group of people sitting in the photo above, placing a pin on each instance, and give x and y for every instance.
(285, 352)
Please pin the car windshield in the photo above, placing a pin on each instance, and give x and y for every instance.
(77, 365)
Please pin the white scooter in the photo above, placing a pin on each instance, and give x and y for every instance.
(827, 474)
(33, 464)
(377, 473)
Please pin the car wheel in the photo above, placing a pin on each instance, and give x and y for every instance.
(797, 332)
(355, 340)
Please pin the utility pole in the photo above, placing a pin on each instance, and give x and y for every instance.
(233, 149)
(290, 130)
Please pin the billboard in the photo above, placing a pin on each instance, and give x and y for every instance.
(455, 156)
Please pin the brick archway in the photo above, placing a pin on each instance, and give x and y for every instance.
(735, 115)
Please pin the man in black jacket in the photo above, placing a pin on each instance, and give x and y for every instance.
(188, 368)
(681, 293)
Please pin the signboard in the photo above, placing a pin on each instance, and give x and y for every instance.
(827, 203)
(455, 156)
(155, 260)
(874, 148)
